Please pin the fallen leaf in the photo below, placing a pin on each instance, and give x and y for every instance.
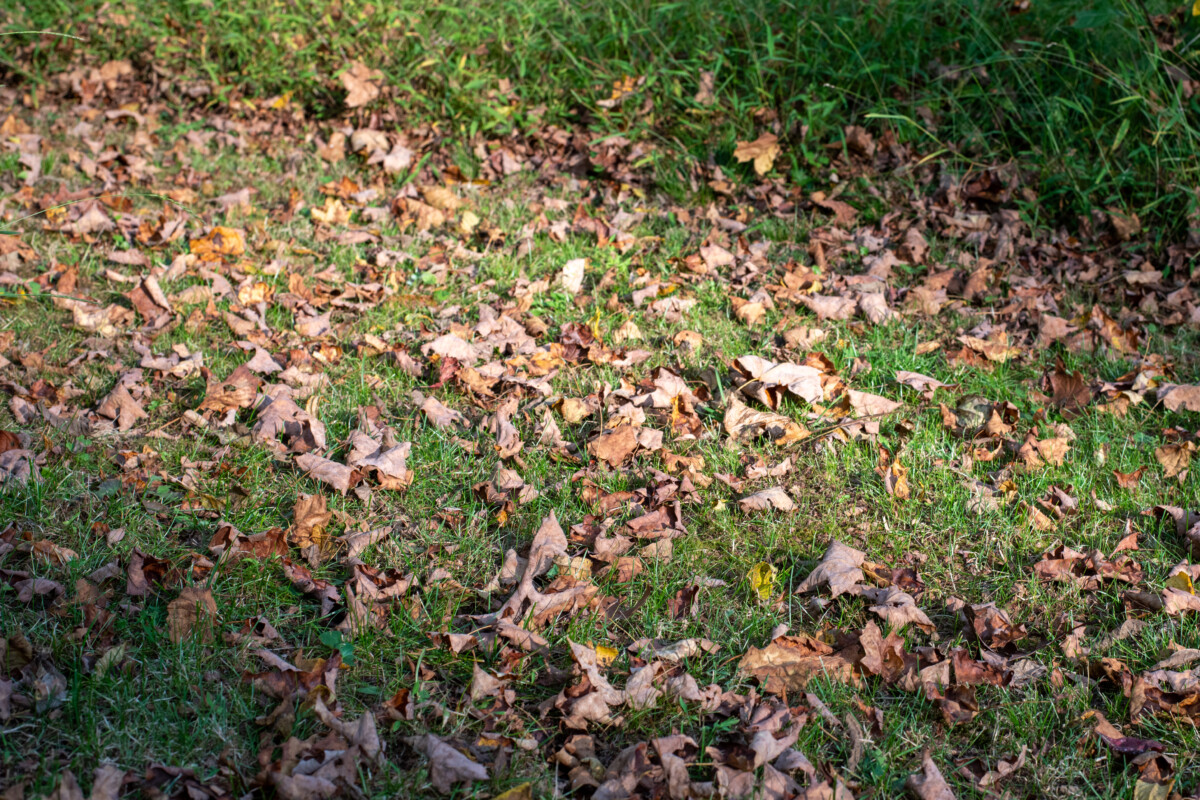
(1070, 392)
(339, 476)
(440, 415)
(447, 766)
(615, 445)
(1180, 398)
(571, 276)
(762, 151)
(773, 498)
(895, 480)
(896, 607)
(743, 423)
(193, 612)
(1129, 480)
(865, 404)
(840, 569)
(762, 580)
(922, 383)
(928, 784)
(361, 83)
(788, 663)
(1175, 458)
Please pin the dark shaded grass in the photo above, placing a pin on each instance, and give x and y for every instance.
(1076, 95)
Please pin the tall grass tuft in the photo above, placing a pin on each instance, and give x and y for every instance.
(1095, 101)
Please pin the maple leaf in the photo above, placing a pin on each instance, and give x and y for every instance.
(1180, 398)
(762, 151)
(840, 570)
(361, 83)
(220, 241)
(1175, 458)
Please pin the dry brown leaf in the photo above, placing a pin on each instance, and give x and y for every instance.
(844, 214)
(361, 83)
(549, 544)
(508, 439)
(874, 307)
(1175, 458)
(773, 498)
(997, 349)
(829, 307)
(745, 424)
(922, 383)
(865, 404)
(928, 784)
(1126, 225)
(762, 151)
(339, 476)
(122, 408)
(219, 241)
(992, 626)
(280, 418)
(788, 663)
(193, 612)
(1129, 480)
(447, 766)
(895, 606)
(840, 569)
(18, 466)
(440, 415)
(1180, 398)
(895, 480)
(615, 445)
(768, 381)
(9, 441)
(575, 410)
(750, 313)
(309, 520)
(1070, 392)
(594, 699)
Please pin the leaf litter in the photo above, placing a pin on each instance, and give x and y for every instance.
(222, 328)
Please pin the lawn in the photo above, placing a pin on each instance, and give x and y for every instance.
(541, 400)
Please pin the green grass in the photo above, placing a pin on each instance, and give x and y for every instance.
(188, 705)
(1074, 100)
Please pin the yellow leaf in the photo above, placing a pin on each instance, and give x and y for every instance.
(1182, 581)
(895, 480)
(605, 655)
(220, 241)
(1148, 790)
(762, 151)
(334, 212)
(762, 580)
(594, 323)
(523, 791)
(257, 292)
